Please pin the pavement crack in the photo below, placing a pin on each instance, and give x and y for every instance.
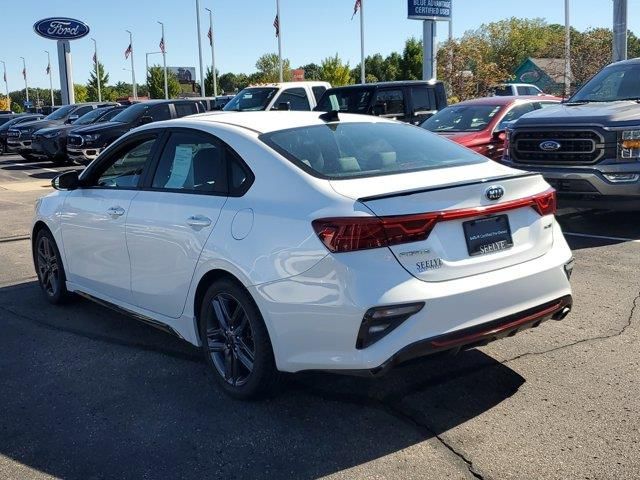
(620, 332)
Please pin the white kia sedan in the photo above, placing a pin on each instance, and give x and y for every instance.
(290, 241)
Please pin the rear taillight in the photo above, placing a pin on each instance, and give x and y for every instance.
(347, 234)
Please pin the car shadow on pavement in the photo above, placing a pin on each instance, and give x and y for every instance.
(598, 228)
(88, 393)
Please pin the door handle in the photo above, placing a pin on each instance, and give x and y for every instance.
(198, 221)
(115, 211)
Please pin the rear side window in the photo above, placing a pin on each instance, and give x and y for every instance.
(318, 91)
(192, 162)
(296, 98)
(160, 112)
(423, 98)
(344, 150)
(184, 109)
(393, 99)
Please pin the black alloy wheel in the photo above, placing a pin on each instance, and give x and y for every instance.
(49, 268)
(235, 342)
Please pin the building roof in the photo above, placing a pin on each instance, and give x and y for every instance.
(553, 67)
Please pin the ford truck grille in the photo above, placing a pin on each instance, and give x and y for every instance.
(569, 146)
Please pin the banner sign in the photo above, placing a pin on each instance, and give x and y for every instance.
(429, 9)
(184, 74)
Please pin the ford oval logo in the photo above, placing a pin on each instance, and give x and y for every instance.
(550, 146)
(61, 28)
(494, 192)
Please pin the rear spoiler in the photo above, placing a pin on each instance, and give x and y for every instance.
(405, 193)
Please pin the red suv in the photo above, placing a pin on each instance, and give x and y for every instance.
(479, 124)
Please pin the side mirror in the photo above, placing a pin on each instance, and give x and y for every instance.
(284, 106)
(72, 118)
(499, 136)
(145, 119)
(66, 181)
(380, 108)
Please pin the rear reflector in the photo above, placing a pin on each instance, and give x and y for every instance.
(347, 234)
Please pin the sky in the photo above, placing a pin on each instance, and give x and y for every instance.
(311, 30)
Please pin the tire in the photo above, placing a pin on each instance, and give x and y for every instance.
(49, 268)
(228, 345)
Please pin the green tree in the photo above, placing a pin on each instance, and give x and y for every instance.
(411, 62)
(155, 80)
(312, 71)
(208, 81)
(268, 66)
(80, 92)
(92, 84)
(335, 72)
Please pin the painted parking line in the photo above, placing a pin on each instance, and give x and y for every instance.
(31, 166)
(602, 237)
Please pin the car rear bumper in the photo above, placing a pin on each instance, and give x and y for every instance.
(314, 318)
(83, 155)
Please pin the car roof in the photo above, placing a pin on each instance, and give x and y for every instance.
(506, 100)
(397, 83)
(265, 122)
(312, 83)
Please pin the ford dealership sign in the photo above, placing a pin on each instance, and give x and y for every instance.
(61, 28)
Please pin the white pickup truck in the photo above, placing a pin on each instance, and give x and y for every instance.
(278, 96)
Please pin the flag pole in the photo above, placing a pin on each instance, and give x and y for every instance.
(567, 50)
(279, 38)
(24, 74)
(6, 83)
(50, 80)
(133, 73)
(95, 57)
(202, 87)
(164, 62)
(362, 67)
(213, 55)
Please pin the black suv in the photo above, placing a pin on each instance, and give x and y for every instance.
(587, 148)
(86, 143)
(409, 101)
(51, 143)
(19, 138)
(13, 121)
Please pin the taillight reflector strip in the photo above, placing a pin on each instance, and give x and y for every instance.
(347, 234)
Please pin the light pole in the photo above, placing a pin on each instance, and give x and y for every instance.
(147, 69)
(213, 55)
(133, 72)
(49, 72)
(567, 50)
(6, 84)
(163, 48)
(95, 59)
(202, 88)
(24, 74)
(279, 39)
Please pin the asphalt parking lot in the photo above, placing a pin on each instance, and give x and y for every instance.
(89, 394)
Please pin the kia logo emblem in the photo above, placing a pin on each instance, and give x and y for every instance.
(61, 28)
(494, 192)
(550, 146)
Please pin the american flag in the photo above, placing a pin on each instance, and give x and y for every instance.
(5, 77)
(356, 7)
(276, 25)
(24, 73)
(95, 60)
(162, 44)
(48, 69)
(210, 35)
(128, 51)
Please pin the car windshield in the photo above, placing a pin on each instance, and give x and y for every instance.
(60, 113)
(131, 113)
(251, 100)
(615, 83)
(352, 100)
(90, 117)
(462, 118)
(346, 150)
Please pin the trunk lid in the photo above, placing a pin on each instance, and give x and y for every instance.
(446, 253)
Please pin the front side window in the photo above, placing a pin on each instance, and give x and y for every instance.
(90, 117)
(131, 113)
(344, 150)
(60, 113)
(296, 98)
(461, 118)
(126, 168)
(82, 110)
(184, 109)
(318, 91)
(351, 99)
(393, 99)
(192, 162)
(502, 91)
(252, 99)
(160, 112)
(105, 117)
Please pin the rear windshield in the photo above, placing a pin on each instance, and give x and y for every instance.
(461, 118)
(347, 150)
(352, 100)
